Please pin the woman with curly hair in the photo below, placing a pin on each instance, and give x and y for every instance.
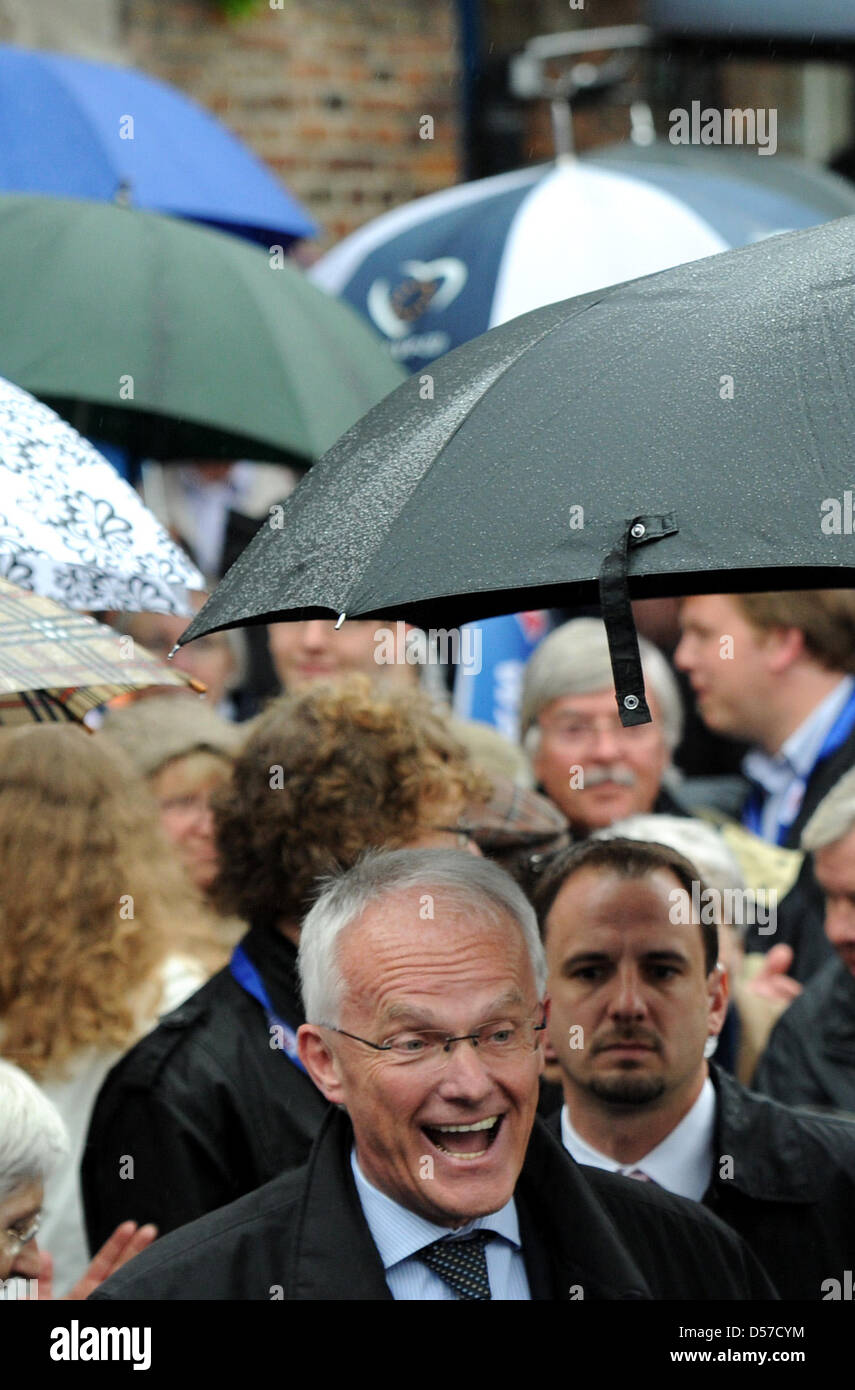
(99, 934)
(214, 1102)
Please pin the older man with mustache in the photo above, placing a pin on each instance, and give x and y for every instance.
(590, 766)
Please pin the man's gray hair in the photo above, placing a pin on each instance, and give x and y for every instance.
(574, 660)
(33, 1139)
(465, 880)
(834, 817)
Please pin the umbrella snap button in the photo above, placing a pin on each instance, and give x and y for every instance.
(637, 531)
(631, 701)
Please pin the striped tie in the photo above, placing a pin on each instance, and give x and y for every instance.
(461, 1263)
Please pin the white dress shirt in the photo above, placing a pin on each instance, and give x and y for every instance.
(682, 1163)
(783, 776)
(398, 1233)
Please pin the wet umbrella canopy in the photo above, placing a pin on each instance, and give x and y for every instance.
(671, 435)
(58, 134)
(176, 341)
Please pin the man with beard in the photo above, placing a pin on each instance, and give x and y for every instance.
(638, 998)
(582, 757)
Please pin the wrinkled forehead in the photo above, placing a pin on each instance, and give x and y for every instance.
(424, 945)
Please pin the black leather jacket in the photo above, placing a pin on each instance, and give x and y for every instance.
(204, 1106)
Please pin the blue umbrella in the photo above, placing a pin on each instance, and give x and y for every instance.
(79, 129)
(438, 272)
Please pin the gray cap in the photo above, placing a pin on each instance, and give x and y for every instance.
(158, 728)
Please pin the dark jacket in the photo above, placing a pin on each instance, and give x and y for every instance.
(304, 1236)
(825, 775)
(788, 1189)
(204, 1106)
(810, 1059)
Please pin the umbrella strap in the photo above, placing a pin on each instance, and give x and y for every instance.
(617, 614)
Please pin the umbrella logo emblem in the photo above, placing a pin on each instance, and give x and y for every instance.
(428, 285)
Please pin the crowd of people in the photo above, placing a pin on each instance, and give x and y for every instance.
(356, 1000)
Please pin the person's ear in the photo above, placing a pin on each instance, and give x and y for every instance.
(320, 1062)
(718, 997)
(784, 647)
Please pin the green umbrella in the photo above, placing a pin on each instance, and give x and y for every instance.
(173, 340)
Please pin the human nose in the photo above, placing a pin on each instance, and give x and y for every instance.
(464, 1075)
(27, 1262)
(604, 743)
(627, 1001)
(684, 653)
(314, 634)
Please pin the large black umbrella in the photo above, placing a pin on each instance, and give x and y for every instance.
(681, 433)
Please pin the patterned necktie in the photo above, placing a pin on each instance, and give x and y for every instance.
(461, 1263)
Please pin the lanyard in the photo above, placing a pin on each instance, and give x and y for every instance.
(752, 816)
(249, 980)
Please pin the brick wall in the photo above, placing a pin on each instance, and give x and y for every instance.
(328, 92)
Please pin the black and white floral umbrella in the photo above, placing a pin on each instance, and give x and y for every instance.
(71, 529)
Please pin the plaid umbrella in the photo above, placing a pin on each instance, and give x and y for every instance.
(57, 665)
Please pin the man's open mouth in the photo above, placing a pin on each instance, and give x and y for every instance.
(465, 1141)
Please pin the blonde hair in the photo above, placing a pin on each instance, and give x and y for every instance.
(92, 898)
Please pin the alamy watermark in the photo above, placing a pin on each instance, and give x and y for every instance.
(16, 1289)
(434, 646)
(838, 517)
(731, 907)
(732, 126)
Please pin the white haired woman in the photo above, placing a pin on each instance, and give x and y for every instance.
(33, 1143)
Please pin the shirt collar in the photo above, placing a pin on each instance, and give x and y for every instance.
(798, 753)
(398, 1232)
(681, 1163)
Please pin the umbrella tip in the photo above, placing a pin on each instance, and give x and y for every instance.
(174, 650)
(341, 618)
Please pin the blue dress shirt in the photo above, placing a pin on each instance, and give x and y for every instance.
(398, 1233)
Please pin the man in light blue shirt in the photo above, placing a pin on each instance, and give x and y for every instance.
(777, 670)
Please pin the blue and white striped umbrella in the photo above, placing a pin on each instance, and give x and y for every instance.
(442, 270)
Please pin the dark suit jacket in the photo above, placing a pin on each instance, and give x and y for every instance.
(304, 1237)
(789, 1189)
(810, 1059)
